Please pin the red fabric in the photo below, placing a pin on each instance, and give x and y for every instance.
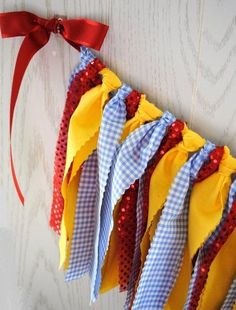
(36, 31)
(132, 102)
(126, 233)
(127, 211)
(81, 83)
(211, 165)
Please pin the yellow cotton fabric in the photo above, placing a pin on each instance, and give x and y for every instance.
(163, 177)
(220, 277)
(82, 141)
(207, 202)
(110, 272)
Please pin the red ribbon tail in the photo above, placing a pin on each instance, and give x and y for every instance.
(37, 33)
(30, 45)
(17, 186)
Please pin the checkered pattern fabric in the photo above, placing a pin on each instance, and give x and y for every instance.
(166, 251)
(210, 240)
(230, 299)
(113, 121)
(84, 222)
(86, 56)
(129, 166)
(137, 252)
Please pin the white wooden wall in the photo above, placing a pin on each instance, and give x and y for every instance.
(182, 54)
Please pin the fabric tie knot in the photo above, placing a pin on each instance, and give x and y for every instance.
(191, 141)
(110, 80)
(228, 163)
(167, 118)
(123, 91)
(203, 154)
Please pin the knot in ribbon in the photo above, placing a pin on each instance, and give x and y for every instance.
(36, 31)
(54, 25)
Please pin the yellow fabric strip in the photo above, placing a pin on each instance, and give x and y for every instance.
(163, 177)
(110, 269)
(67, 231)
(82, 141)
(110, 272)
(207, 202)
(167, 169)
(220, 277)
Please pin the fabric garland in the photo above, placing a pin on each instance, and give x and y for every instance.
(132, 207)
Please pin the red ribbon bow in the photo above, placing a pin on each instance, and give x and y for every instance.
(37, 32)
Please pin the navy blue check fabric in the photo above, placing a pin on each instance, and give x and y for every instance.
(84, 221)
(208, 242)
(230, 299)
(129, 165)
(165, 254)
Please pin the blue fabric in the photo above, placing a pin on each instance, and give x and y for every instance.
(166, 251)
(84, 221)
(113, 121)
(208, 242)
(129, 165)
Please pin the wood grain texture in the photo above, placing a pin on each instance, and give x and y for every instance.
(152, 45)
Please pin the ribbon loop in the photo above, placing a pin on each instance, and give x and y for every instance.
(15, 24)
(37, 31)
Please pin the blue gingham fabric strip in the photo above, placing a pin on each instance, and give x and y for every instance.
(230, 299)
(137, 252)
(84, 222)
(86, 56)
(166, 251)
(210, 240)
(113, 121)
(112, 125)
(129, 166)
